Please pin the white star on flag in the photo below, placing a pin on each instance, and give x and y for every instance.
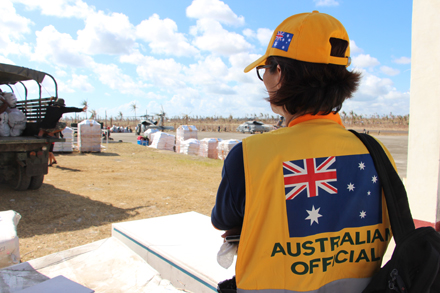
(313, 215)
(374, 179)
(363, 214)
(350, 187)
(361, 165)
(369, 192)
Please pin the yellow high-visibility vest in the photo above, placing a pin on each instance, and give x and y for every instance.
(273, 254)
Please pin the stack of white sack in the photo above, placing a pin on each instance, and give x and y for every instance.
(9, 247)
(16, 121)
(190, 147)
(10, 99)
(208, 148)
(163, 141)
(148, 133)
(4, 126)
(89, 136)
(225, 146)
(183, 133)
(67, 146)
(113, 129)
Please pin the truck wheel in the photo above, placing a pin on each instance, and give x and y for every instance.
(21, 181)
(36, 182)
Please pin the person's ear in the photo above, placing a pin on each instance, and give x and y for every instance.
(278, 73)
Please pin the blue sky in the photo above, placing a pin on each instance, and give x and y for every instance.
(188, 56)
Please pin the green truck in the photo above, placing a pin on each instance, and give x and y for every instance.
(24, 159)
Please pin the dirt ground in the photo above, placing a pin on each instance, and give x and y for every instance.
(86, 192)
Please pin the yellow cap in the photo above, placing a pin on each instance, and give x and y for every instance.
(306, 37)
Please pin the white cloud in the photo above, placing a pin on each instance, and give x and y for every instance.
(59, 48)
(209, 71)
(210, 36)
(264, 35)
(163, 37)
(81, 82)
(107, 34)
(164, 73)
(402, 60)
(112, 76)
(354, 49)
(215, 10)
(5, 60)
(13, 28)
(326, 2)
(377, 95)
(238, 64)
(389, 71)
(372, 86)
(59, 8)
(364, 60)
(249, 33)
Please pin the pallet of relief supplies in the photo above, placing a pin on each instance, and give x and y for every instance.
(225, 146)
(163, 141)
(209, 148)
(190, 146)
(183, 133)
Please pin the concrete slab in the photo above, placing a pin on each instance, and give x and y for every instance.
(182, 247)
(104, 266)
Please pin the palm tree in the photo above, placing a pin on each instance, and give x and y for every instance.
(120, 115)
(134, 107)
(93, 114)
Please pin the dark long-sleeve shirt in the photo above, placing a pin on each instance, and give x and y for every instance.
(228, 211)
(53, 115)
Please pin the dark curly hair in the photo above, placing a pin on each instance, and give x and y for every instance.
(312, 88)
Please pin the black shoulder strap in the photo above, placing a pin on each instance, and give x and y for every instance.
(395, 193)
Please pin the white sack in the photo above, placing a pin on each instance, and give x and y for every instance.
(11, 99)
(4, 126)
(9, 247)
(16, 121)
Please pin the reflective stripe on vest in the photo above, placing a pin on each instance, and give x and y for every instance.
(339, 286)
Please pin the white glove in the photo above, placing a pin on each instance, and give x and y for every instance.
(225, 255)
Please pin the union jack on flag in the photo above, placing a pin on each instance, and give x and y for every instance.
(329, 194)
(279, 36)
(311, 177)
(282, 41)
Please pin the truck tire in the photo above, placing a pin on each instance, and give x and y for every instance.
(21, 181)
(36, 182)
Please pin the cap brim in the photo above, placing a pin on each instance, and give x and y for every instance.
(259, 61)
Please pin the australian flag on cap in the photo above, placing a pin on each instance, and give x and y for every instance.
(282, 41)
(330, 194)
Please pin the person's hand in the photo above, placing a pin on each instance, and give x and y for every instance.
(233, 231)
(85, 108)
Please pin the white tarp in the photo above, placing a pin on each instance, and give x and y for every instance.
(89, 136)
(163, 141)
